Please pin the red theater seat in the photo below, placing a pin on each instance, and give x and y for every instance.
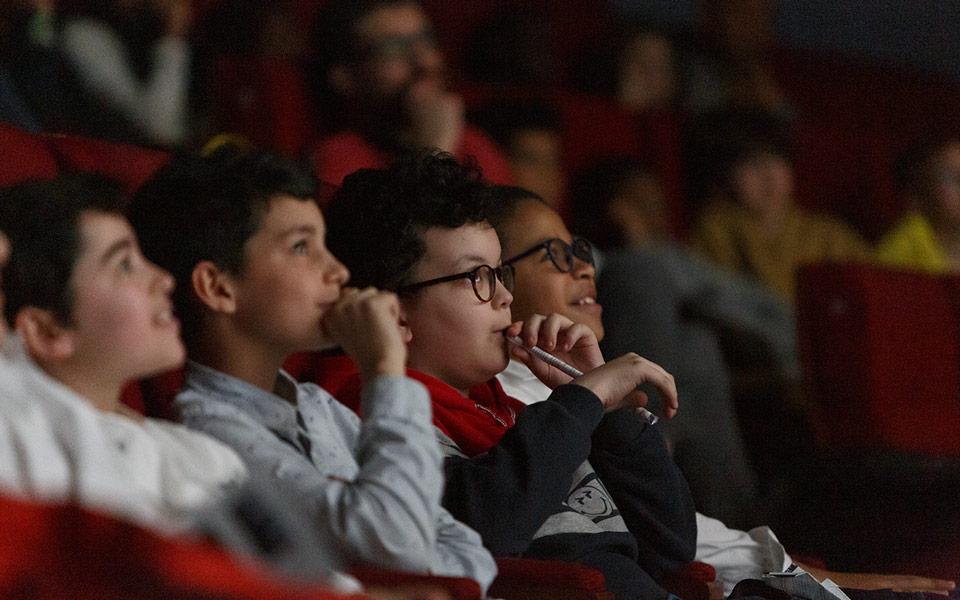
(881, 352)
(25, 156)
(64, 552)
(131, 165)
(264, 100)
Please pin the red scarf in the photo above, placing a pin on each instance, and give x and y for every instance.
(475, 424)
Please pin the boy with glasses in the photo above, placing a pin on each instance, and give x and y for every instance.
(521, 219)
(258, 283)
(574, 478)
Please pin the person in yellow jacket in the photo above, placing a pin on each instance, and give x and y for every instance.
(927, 237)
(752, 226)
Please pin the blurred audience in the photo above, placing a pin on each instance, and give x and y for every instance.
(132, 58)
(637, 66)
(386, 84)
(29, 67)
(752, 225)
(529, 133)
(732, 62)
(927, 238)
(667, 304)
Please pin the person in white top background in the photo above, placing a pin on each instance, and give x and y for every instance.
(554, 273)
(132, 58)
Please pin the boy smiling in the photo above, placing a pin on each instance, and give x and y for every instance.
(91, 313)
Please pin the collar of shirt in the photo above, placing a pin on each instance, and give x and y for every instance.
(277, 410)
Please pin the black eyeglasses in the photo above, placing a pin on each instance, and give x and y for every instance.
(561, 254)
(484, 279)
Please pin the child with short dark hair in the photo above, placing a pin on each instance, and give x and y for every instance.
(244, 238)
(91, 313)
(626, 511)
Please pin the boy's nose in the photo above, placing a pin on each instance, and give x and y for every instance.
(163, 280)
(337, 272)
(502, 297)
(582, 269)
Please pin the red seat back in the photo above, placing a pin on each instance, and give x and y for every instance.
(131, 165)
(25, 156)
(264, 100)
(881, 353)
(66, 552)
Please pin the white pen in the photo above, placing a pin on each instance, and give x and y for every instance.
(572, 371)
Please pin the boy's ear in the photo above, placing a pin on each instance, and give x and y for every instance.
(405, 330)
(213, 287)
(43, 335)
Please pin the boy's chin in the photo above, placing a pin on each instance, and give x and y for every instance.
(323, 344)
(497, 368)
(174, 362)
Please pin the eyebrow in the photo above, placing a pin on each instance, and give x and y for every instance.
(297, 229)
(471, 259)
(115, 249)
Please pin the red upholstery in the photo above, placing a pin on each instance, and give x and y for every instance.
(459, 588)
(881, 352)
(158, 393)
(25, 156)
(595, 127)
(65, 552)
(661, 144)
(847, 173)
(130, 165)
(573, 25)
(133, 397)
(527, 578)
(264, 100)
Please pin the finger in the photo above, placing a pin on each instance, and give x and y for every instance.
(531, 330)
(924, 584)
(637, 398)
(367, 292)
(550, 329)
(666, 385)
(578, 334)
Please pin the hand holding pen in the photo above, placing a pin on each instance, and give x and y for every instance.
(614, 383)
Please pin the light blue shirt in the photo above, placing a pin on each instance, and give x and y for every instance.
(374, 486)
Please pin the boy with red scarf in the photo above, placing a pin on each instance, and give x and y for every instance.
(608, 496)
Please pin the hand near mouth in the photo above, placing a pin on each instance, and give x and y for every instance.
(573, 343)
(366, 325)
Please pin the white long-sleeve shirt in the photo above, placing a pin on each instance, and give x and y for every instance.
(158, 106)
(56, 447)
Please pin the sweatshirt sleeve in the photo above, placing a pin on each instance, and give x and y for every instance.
(507, 493)
(631, 458)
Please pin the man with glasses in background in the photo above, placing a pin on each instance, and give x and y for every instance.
(381, 79)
